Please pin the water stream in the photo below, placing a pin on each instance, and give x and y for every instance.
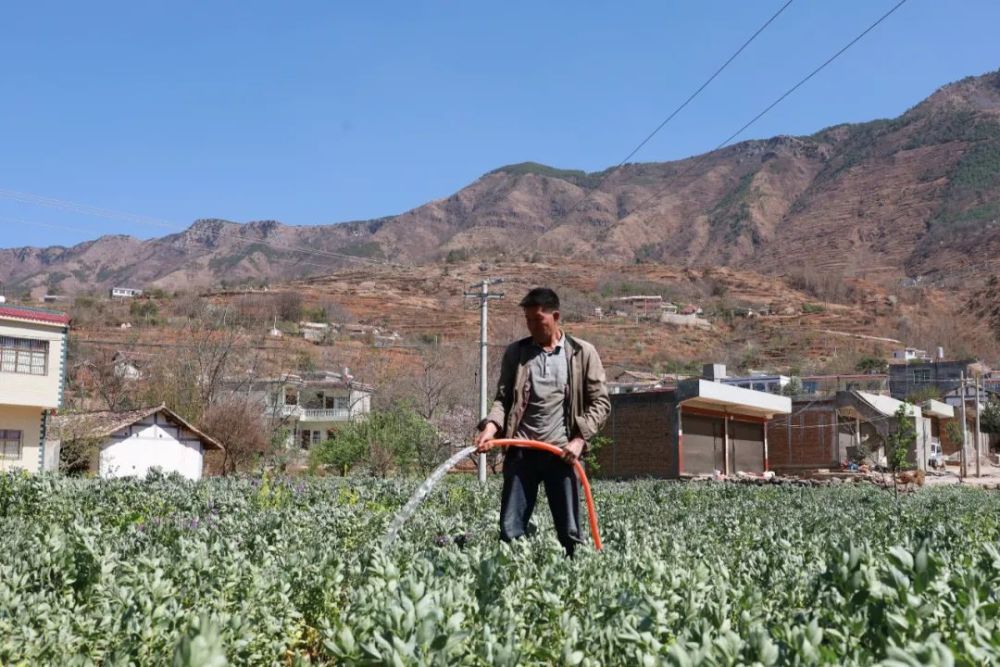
(418, 496)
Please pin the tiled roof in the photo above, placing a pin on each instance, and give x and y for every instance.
(103, 423)
(34, 314)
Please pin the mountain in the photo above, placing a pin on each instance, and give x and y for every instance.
(909, 196)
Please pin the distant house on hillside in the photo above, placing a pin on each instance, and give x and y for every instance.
(32, 380)
(125, 292)
(311, 405)
(131, 443)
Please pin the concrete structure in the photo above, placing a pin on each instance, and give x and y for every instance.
(125, 292)
(908, 354)
(824, 432)
(829, 385)
(32, 379)
(311, 405)
(699, 428)
(122, 444)
(772, 384)
(942, 376)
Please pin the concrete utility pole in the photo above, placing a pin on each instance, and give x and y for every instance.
(964, 467)
(977, 434)
(484, 297)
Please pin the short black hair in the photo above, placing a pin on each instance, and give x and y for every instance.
(541, 296)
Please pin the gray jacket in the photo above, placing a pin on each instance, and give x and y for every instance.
(587, 403)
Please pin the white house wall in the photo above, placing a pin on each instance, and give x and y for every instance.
(145, 445)
(44, 391)
(28, 420)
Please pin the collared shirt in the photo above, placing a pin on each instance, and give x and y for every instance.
(544, 417)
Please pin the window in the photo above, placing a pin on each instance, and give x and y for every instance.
(291, 396)
(759, 386)
(10, 445)
(24, 355)
(341, 402)
(317, 437)
(922, 375)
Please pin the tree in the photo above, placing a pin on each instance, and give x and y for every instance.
(871, 365)
(989, 420)
(900, 442)
(396, 440)
(237, 423)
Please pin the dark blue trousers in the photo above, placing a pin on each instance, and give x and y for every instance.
(523, 471)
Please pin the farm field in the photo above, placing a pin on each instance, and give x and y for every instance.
(262, 572)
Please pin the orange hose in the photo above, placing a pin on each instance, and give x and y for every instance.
(580, 474)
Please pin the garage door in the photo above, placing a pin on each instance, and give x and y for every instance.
(702, 445)
(747, 442)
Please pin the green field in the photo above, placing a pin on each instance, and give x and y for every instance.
(290, 572)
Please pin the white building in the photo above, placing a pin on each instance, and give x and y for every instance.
(32, 379)
(312, 405)
(907, 354)
(772, 384)
(125, 292)
(123, 444)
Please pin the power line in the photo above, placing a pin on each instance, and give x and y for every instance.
(768, 108)
(609, 173)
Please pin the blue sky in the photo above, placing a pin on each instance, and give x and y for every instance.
(321, 112)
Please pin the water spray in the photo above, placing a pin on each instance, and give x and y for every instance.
(411, 505)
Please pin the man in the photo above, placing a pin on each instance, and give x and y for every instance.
(552, 389)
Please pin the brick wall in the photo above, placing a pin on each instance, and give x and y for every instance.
(642, 432)
(807, 439)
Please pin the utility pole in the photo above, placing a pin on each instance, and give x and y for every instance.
(484, 297)
(977, 435)
(964, 467)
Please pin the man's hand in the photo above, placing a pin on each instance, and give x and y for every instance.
(483, 437)
(572, 450)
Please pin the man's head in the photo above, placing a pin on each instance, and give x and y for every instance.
(541, 314)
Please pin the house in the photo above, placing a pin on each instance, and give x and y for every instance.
(908, 354)
(32, 380)
(829, 385)
(314, 332)
(311, 405)
(936, 416)
(638, 305)
(918, 376)
(697, 428)
(823, 432)
(124, 444)
(772, 384)
(125, 293)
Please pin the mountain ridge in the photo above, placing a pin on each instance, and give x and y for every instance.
(912, 195)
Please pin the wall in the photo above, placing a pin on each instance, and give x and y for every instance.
(641, 428)
(809, 438)
(28, 420)
(34, 390)
(151, 443)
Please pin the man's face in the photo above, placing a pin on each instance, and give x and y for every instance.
(542, 325)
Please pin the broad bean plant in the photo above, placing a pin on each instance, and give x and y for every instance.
(292, 572)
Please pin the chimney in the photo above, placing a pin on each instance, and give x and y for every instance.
(714, 372)
(345, 374)
(940, 354)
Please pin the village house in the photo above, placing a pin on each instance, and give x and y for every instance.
(131, 443)
(772, 384)
(32, 380)
(699, 427)
(829, 385)
(824, 432)
(312, 405)
(921, 376)
(125, 293)
(908, 354)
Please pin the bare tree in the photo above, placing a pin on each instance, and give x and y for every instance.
(238, 424)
